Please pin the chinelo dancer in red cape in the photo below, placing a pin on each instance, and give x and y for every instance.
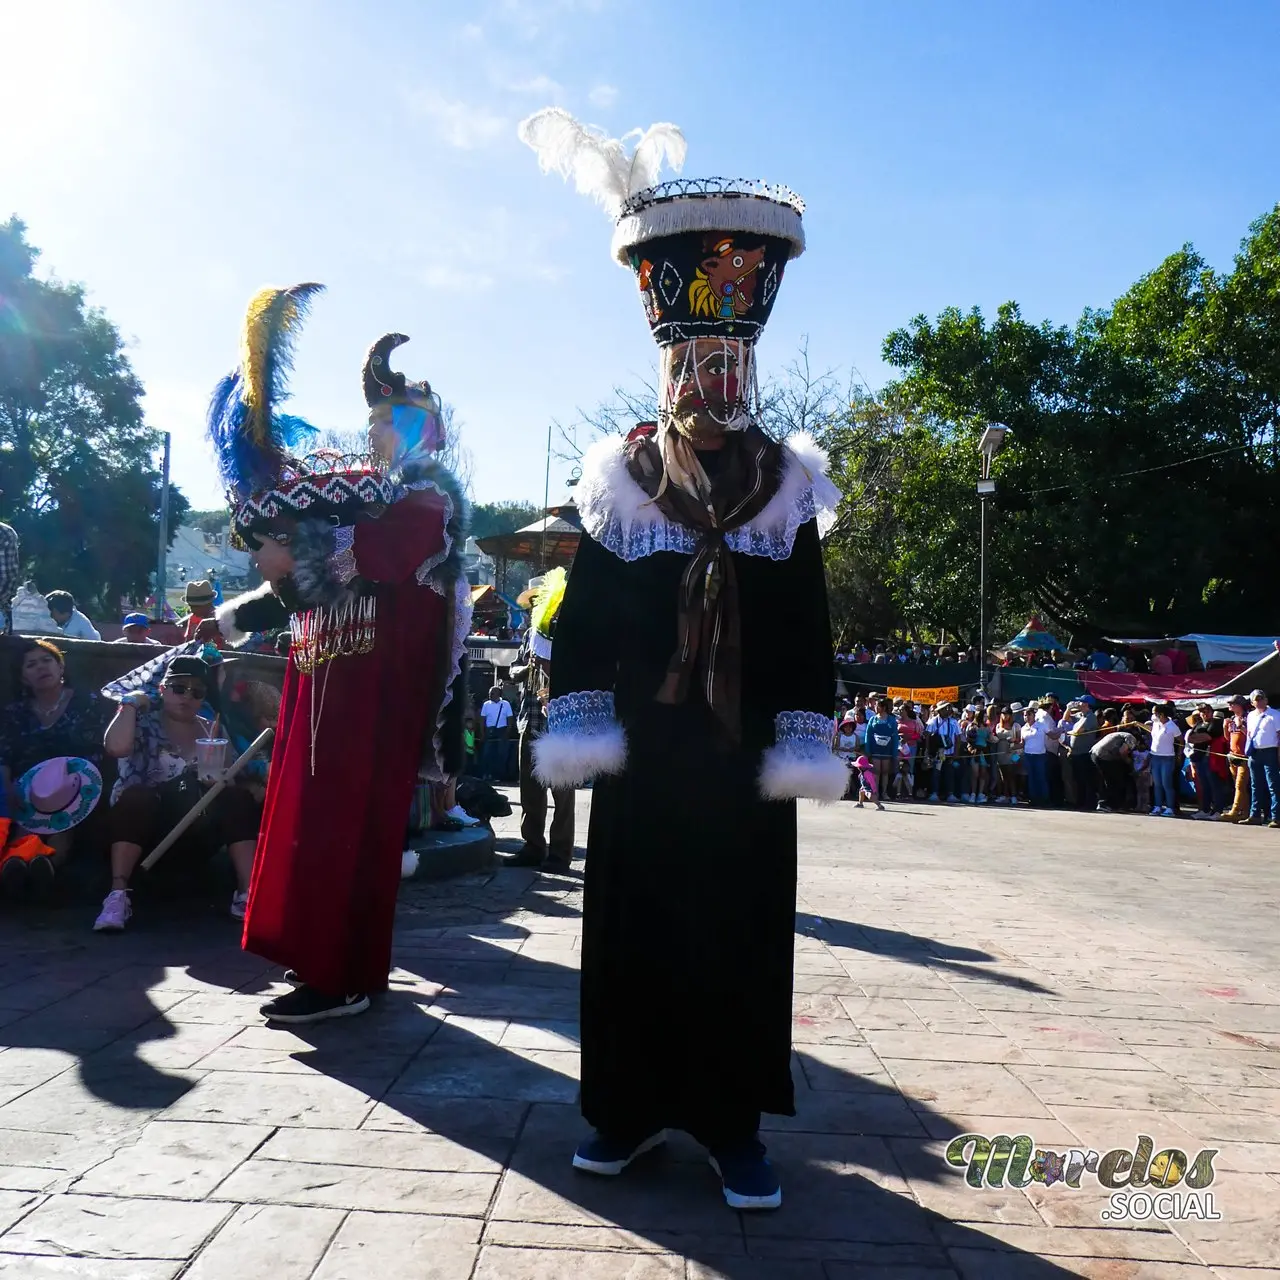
(360, 554)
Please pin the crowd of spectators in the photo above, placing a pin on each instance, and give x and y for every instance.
(1213, 765)
(1175, 660)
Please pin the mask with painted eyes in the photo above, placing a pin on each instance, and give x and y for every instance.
(705, 386)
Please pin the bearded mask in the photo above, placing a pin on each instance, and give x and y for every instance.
(708, 387)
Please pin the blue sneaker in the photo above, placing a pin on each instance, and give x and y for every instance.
(598, 1154)
(747, 1177)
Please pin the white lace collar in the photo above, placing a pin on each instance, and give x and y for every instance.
(620, 516)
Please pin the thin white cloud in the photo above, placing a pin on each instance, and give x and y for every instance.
(459, 124)
(470, 254)
(537, 86)
(603, 96)
(471, 31)
(447, 278)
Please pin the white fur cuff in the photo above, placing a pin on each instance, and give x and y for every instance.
(226, 617)
(571, 759)
(261, 600)
(788, 775)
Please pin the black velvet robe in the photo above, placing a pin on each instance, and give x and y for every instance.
(690, 875)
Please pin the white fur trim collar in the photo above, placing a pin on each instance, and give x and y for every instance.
(620, 516)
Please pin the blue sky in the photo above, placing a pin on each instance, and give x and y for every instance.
(177, 156)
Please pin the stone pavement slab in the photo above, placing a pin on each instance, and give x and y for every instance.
(1077, 978)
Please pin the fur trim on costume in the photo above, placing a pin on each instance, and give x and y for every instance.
(257, 610)
(445, 568)
(314, 543)
(571, 759)
(618, 513)
(788, 776)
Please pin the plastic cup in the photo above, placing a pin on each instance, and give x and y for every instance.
(211, 759)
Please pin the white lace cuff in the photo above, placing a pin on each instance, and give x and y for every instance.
(801, 763)
(583, 740)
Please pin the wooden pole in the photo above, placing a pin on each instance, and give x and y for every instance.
(207, 799)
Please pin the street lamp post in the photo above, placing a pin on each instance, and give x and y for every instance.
(989, 446)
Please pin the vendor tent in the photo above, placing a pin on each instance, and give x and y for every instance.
(1035, 636)
(1211, 648)
(1264, 675)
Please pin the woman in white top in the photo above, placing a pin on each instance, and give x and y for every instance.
(1165, 734)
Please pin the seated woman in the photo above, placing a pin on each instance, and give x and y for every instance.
(156, 748)
(50, 720)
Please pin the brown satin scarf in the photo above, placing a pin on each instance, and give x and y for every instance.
(746, 475)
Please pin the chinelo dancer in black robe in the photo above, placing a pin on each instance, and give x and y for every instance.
(692, 679)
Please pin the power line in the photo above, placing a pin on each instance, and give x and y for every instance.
(1142, 471)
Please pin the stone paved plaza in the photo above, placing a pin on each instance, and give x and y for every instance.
(1078, 978)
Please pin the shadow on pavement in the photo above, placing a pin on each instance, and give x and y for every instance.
(477, 1042)
(912, 949)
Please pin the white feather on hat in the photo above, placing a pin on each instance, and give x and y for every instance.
(599, 165)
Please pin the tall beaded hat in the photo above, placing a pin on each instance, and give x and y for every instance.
(262, 460)
(708, 253)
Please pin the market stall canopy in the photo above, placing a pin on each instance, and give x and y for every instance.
(1115, 686)
(1264, 675)
(1212, 648)
(1035, 636)
(550, 541)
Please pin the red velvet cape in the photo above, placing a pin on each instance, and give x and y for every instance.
(327, 867)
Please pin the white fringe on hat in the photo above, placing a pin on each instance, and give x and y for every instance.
(728, 213)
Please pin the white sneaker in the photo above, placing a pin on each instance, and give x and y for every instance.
(115, 913)
(408, 864)
(1001, 800)
(239, 904)
(459, 814)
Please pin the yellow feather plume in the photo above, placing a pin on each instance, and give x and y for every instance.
(546, 604)
(271, 326)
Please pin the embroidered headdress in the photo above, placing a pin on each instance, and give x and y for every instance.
(261, 452)
(708, 254)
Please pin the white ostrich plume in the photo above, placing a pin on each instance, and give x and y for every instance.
(610, 170)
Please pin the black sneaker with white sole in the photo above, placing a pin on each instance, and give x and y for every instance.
(306, 1004)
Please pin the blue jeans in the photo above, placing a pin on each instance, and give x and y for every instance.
(946, 776)
(1163, 785)
(1038, 778)
(493, 758)
(1264, 783)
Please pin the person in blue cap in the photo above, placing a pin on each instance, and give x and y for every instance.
(137, 630)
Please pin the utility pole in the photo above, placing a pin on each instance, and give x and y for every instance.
(990, 444)
(161, 573)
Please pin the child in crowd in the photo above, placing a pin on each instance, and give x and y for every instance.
(866, 778)
(1142, 780)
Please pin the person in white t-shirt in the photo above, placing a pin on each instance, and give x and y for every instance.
(497, 716)
(1262, 747)
(1035, 744)
(1165, 760)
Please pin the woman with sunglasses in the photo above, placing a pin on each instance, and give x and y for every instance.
(156, 748)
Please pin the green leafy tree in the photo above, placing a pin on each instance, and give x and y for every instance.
(1138, 489)
(488, 518)
(76, 459)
